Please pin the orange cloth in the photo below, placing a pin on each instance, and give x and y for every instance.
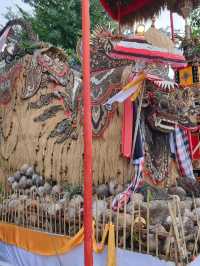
(38, 242)
(47, 244)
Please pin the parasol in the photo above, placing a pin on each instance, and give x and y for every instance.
(128, 11)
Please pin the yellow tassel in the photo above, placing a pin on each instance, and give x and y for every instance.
(136, 94)
(111, 259)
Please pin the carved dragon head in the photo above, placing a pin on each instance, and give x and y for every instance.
(165, 110)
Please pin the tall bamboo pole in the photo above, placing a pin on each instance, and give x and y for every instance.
(87, 134)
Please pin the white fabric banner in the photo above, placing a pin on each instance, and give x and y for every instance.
(13, 256)
(121, 96)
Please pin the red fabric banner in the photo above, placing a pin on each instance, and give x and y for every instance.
(127, 129)
(194, 139)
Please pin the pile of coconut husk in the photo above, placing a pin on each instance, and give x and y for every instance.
(30, 181)
(162, 222)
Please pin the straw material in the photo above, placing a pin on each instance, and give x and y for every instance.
(28, 142)
(158, 39)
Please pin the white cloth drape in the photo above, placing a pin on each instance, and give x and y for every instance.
(14, 256)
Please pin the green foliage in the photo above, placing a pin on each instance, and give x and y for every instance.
(59, 22)
(195, 22)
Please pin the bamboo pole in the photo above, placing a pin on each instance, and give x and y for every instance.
(157, 247)
(65, 205)
(97, 220)
(124, 227)
(117, 227)
(148, 217)
(139, 232)
(132, 224)
(198, 223)
(74, 219)
(79, 216)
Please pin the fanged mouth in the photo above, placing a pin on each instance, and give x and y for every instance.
(165, 124)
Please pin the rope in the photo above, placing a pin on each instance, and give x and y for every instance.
(137, 121)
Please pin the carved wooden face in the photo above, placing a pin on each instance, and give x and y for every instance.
(165, 110)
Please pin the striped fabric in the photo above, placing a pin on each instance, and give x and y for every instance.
(180, 146)
(146, 47)
(134, 90)
(138, 161)
(134, 50)
(123, 198)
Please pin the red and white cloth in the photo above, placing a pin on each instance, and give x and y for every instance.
(138, 161)
(124, 94)
(179, 145)
(136, 50)
(123, 198)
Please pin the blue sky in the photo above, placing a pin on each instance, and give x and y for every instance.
(162, 21)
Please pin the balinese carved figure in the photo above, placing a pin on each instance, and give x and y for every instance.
(41, 117)
(41, 114)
